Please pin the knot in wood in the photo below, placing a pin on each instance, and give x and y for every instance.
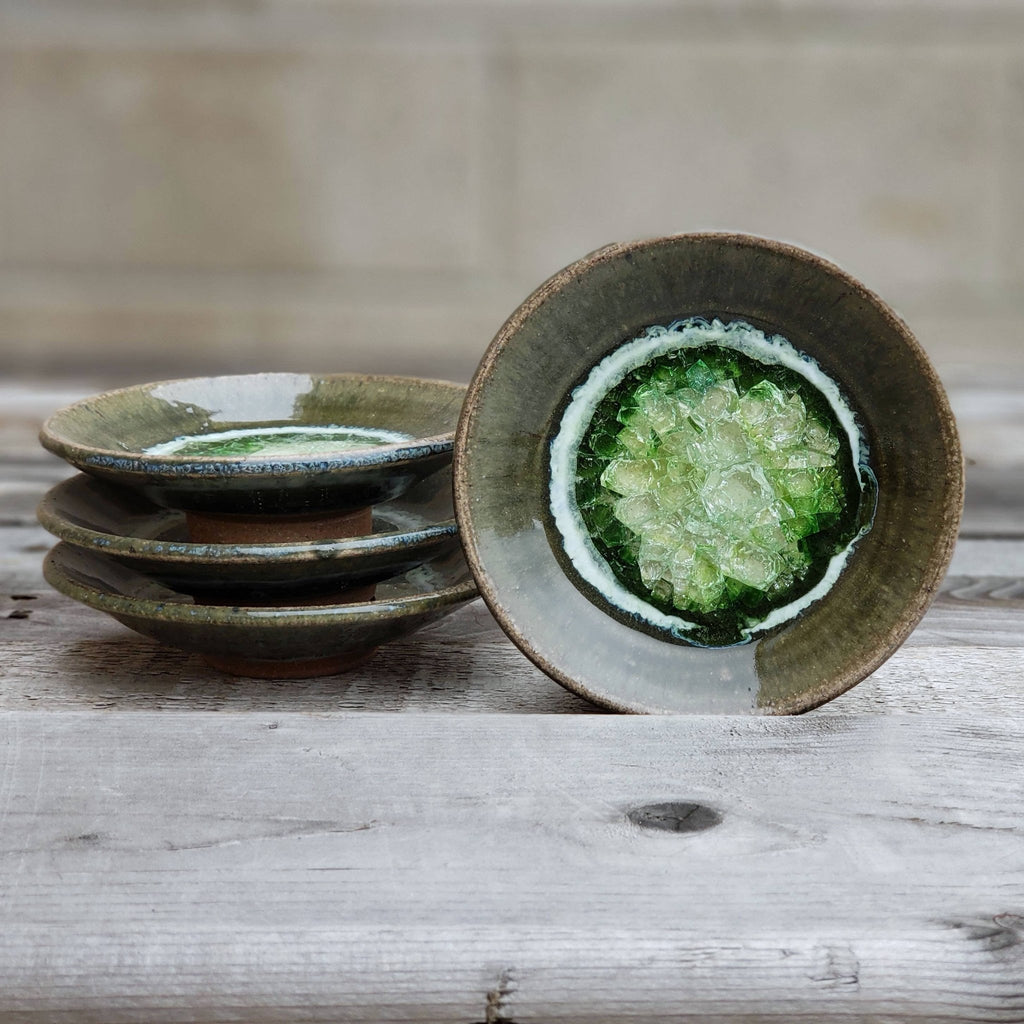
(675, 816)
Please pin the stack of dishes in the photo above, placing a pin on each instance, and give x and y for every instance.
(281, 525)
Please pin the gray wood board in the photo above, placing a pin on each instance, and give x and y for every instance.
(295, 867)
(967, 655)
(241, 850)
(63, 656)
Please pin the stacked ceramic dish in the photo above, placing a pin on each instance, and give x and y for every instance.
(281, 525)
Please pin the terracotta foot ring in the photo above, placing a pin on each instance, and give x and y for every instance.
(214, 528)
(248, 529)
(255, 668)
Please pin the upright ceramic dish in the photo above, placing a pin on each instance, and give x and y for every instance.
(593, 308)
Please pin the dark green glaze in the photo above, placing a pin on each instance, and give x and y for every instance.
(812, 529)
(580, 315)
(257, 442)
(271, 634)
(107, 436)
(125, 526)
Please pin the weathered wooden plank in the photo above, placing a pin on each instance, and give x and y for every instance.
(993, 502)
(990, 421)
(221, 867)
(60, 655)
(991, 424)
(987, 557)
(967, 656)
(264, 864)
(22, 486)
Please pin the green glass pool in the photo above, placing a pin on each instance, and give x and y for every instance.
(715, 482)
(277, 441)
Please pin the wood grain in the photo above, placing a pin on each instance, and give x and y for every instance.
(443, 834)
(58, 654)
(352, 868)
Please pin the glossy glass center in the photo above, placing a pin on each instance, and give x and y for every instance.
(713, 483)
(284, 442)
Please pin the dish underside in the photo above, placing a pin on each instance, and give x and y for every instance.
(328, 627)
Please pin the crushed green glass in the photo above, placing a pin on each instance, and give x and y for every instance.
(281, 442)
(716, 486)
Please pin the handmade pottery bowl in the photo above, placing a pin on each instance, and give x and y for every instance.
(530, 454)
(269, 642)
(123, 525)
(262, 444)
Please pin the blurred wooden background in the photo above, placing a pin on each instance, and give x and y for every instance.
(330, 185)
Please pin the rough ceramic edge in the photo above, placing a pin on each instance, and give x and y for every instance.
(244, 465)
(173, 610)
(186, 552)
(954, 494)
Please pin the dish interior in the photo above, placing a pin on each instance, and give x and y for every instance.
(708, 481)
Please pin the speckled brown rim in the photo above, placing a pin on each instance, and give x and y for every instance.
(946, 521)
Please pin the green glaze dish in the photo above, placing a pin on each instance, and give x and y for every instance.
(286, 641)
(125, 526)
(268, 443)
(707, 473)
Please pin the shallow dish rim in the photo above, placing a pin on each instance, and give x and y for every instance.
(185, 552)
(130, 461)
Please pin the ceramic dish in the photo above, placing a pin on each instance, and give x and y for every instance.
(512, 497)
(269, 443)
(259, 641)
(123, 525)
